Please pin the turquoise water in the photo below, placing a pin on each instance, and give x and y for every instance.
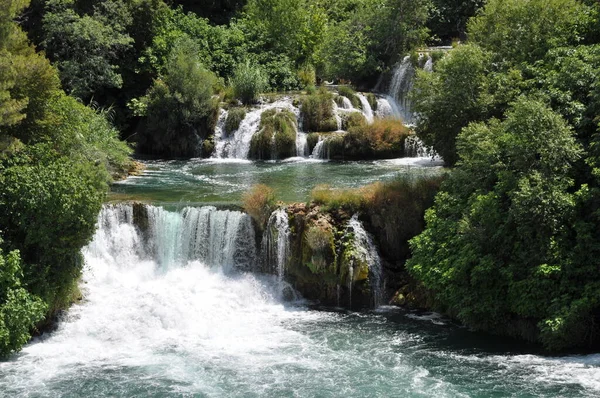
(222, 181)
(154, 326)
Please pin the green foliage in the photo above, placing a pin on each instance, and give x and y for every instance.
(493, 250)
(307, 76)
(276, 138)
(317, 112)
(451, 97)
(86, 48)
(448, 18)
(48, 210)
(523, 31)
(248, 82)
(234, 118)
(181, 109)
(19, 310)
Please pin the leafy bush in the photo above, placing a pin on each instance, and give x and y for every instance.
(181, 108)
(48, 210)
(234, 118)
(19, 310)
(248, 82)
(307, 76)
(497, 252)
(259, 203)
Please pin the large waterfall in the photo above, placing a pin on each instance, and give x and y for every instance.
(134, 233)
(179, 328)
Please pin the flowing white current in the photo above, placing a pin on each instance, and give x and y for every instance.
(155, 324)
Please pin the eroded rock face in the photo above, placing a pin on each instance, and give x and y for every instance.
(323, 264)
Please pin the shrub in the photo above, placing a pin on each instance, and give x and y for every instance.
(259, 203)
(307, 76)
(334, 198)
(353, 119)
(317, 112)
(181, 108)
(234, 118)
(248, 82)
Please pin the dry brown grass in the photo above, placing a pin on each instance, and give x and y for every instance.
(259, 203)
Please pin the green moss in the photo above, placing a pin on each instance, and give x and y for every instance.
(234, 118)
(317, 112)
(276, 138)
(372, 99)
(353, 119)
(349, 93)
(311, 140)
(208, 146)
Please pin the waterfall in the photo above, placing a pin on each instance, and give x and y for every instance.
(237, 146)
(319, 150)
(414, 148)
(276, 243)
(301, 144)
(400, 86)
(346, 103)
(366, 107)
(367, 251)
(217, 238)
(219, 136)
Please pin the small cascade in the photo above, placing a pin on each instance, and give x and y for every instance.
(414, 148)
(366, 108)
(302, 144)
(428, 67)
(217, 238)
(237, 146)
(336, 113)
(367, 252)
(220, 140)
(276, 243)
(400, 86)
(346, 103)
(319, 150)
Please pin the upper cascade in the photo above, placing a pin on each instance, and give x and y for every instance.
(402, 82)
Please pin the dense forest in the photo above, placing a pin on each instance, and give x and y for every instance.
(512, 241)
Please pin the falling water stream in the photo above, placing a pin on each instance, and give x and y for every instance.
(162, 316)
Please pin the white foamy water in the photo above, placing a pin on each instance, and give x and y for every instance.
(181, 327)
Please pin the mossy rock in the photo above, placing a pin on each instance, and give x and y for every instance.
(208, 146)
(353, 119)
(372, 99)
(234, 118)
(319, 253)
(348, 92)
(317, 112)
(311, 140)
(276, 138)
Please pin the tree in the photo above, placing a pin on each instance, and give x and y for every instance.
(524, 31)
(86, 48)
(450, 98)
(494, 249)
(181, 110)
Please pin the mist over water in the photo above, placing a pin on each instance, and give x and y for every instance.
(180, 327)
